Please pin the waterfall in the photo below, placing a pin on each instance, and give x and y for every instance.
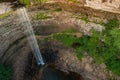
(30, 35)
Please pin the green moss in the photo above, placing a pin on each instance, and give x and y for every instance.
(28, 2)
(79, 53)
(58, 9)
(71, 30)
(5, 72)
(25, 2)
(113, 64)
(5, 15)
(68, 40)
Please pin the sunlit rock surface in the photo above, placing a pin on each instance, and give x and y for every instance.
(107, 5)
(5, 7)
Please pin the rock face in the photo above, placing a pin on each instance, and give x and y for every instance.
(10, 31)
(107, 5)
(5, 7)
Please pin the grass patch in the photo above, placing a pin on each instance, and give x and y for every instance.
(71, 30)
(111, 24)
(25, 2)
(5, 72)
(28, 2)
(41, 16)
(68, 40)
(113, 64)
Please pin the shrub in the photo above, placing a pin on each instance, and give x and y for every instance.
(113, 64)
(25, 2)
(111, 24)
(69, 40)
(66, 39)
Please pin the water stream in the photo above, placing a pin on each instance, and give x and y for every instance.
(30, 35)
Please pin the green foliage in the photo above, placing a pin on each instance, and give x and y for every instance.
(25, 2)
(113, 64)
(115, 34)
(5, 72)
(66, 39)
(111, 24)
(112, 78)
(41, 16)
(112, 40)
(79, 52)
(58, 9)
(109, 47)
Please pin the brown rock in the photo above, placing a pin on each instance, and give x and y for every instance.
(88, 67)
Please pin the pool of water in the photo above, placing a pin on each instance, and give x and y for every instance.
(54, 74)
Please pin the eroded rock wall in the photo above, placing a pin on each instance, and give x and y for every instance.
(10, 31)
(5, 7)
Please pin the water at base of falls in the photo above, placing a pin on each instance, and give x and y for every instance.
(50, 73)
(30, 35)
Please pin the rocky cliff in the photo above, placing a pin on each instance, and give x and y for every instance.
(107, 5)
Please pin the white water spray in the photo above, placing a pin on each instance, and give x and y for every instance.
(30, 35)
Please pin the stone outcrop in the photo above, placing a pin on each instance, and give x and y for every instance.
(10, 30)
(107, 5)
(5, 7)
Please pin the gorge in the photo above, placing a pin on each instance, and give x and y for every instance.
(63, 29)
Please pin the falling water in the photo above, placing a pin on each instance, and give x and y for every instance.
(30, 35)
